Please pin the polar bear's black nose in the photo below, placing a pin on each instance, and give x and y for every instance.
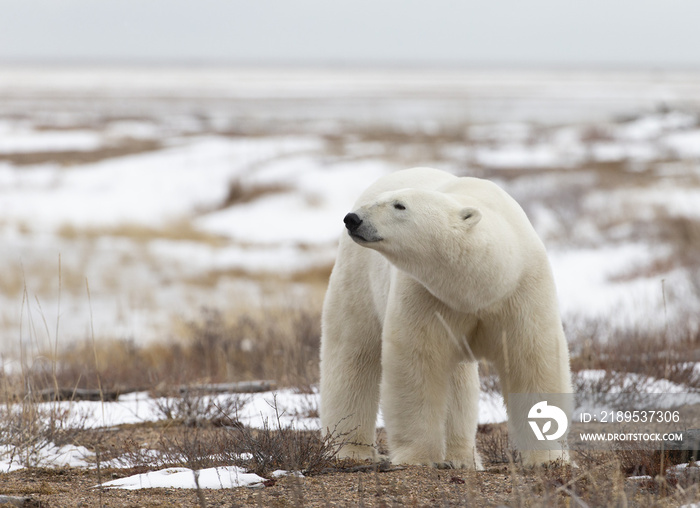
(352, 221)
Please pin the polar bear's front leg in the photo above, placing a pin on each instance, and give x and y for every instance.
(533, 451)
(414, 405)
(350, 399)
(463, 417)
(418, 362)
(541, 372)
(350, 376)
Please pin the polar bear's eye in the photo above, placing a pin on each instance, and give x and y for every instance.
(399, 206)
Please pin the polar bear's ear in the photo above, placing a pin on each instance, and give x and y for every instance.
(470, 215)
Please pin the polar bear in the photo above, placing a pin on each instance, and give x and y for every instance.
(435, 273)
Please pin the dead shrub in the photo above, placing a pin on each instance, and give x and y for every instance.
(27, 427)
(278, 446)
(494, 446)
(226, 441)
(196, 409)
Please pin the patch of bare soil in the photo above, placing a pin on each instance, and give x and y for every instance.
(413, 486)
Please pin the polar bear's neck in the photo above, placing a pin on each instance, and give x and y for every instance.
(465, 282)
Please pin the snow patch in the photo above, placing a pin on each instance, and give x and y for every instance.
(182, 478)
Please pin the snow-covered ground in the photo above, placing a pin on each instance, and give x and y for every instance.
(183, 478)
(591, 156)
(283, 409)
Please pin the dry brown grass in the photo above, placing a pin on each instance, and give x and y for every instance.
(76, 157)
(177, 231)
(240, 192)
(12, 281)
(196, 433)
(600, 478)
(278, 344)
(404, 146)
(667, 354)
(315, 277)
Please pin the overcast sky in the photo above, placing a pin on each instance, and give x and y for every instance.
(496, 33)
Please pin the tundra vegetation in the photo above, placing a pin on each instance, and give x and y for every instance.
(156, 299)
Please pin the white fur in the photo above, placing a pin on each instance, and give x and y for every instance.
(458, 275)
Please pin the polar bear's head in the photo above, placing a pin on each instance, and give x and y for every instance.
(411, 222)
(462, 255)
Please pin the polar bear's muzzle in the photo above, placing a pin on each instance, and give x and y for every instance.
(359, 230)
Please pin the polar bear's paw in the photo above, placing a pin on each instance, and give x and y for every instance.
(473, 462)
(468, 461)
(532, 458)
(360, 452)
